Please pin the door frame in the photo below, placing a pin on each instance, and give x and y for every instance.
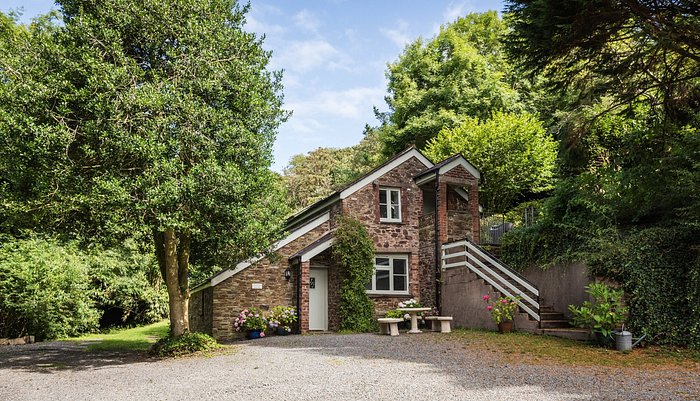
(325, 296)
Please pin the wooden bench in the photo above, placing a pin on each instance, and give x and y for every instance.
(443, 327)
(388, 325)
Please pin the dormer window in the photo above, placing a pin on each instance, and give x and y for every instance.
(390, 205)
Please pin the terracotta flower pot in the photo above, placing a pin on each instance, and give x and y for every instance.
(505, 327)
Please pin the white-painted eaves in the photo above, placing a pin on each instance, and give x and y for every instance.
(383, 170)
(317, 249)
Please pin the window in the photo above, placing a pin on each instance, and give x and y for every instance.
(390, 275)
(390, 204)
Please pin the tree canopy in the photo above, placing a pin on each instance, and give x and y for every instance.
(142, 118)
(460, 73)
(513, 152)
(628, 76)
(317, 174)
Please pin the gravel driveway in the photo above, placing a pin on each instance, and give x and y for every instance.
(322, 367)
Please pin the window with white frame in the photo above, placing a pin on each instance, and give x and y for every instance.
(390, 204)
(390, 275)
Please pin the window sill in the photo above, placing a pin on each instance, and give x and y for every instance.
(387, 294)
(391, 221)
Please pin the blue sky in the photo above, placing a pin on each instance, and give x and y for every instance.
(334, 55)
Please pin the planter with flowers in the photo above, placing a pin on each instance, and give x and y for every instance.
(502, 312)
(282, 319)
(252, 322)
(412, 304)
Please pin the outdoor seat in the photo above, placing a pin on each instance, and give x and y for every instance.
(443, 327)
(388, 325)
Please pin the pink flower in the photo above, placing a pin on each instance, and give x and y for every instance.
(262, 334)
(488, 308)
(504, 301)
(486, 297)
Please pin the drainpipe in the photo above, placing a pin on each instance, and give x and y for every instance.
(438, 267)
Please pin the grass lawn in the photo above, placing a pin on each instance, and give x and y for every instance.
(134, 339)
(529, 348)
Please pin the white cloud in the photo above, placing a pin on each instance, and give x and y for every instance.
(304, 56)
(398, 35)
(352, 103)
(255, 25)
(307, 20)
(456, 10)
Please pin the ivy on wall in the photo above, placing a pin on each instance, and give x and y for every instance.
(354, 251)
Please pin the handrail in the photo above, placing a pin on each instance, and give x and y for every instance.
(508, 272)
(496, 279)
(505, 265)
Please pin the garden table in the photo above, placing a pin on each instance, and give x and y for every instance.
(414, 317)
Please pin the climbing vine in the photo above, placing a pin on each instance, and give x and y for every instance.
(354, 251)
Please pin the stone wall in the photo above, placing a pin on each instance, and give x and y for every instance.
(462, 298)
(384, 303)
(459, 217)
(237, 293)
(455, 203)
(393, 238)
(201, 310)
(561, 285)
(463, 291)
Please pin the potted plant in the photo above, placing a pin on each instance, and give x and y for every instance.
(252, 321)
(281, 319)
(602, 316)
(502, 312)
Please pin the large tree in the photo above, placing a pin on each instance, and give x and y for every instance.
(631, 49)
(142, 118)
(462, 72)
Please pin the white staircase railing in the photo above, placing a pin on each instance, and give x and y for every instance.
(467, 254)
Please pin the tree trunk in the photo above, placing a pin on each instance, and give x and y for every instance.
(173, 258)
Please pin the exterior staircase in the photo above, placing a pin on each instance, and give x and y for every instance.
(501, 278)
(553, 323)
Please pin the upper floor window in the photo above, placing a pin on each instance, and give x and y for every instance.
(390, 275)
(390, 204)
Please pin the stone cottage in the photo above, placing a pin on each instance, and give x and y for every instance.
(409, 206)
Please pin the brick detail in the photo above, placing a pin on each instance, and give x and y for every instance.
(304, 312)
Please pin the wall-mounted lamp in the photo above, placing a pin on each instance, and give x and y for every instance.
(287, 274)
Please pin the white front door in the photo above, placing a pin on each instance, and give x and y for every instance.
(318, 299)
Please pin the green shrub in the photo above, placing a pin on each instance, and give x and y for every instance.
(125, 287)
(395, 314)
(44, 290)
(604, 314)
(354, 251)
(659, 270)
(184, 344)
(51, 289)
